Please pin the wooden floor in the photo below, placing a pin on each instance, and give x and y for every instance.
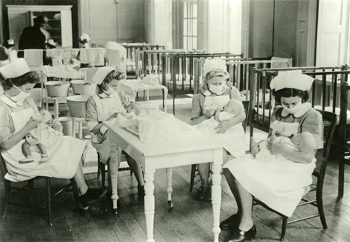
(188, 221)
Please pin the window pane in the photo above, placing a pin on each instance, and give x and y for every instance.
(194, 10)
(194, 43)
(189, 43)
(185, 9)
(194, 30)
(185, 42)
(189, 30)
(185, 27)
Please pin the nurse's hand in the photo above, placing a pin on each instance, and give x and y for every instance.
(32, 124)
(223, 127)
(56, 125)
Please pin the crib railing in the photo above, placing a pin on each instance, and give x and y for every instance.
(323, 92)
(134, 58)
(152, 60)
(329, 92)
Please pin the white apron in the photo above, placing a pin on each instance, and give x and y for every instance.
(64, 155)
(106, 107)
(277, 182)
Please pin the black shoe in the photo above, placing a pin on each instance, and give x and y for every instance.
(91, 194)
(203, 194)
(231, 223)
(140, 192)
(239, 235)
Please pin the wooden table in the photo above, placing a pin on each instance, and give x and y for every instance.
(166, 154)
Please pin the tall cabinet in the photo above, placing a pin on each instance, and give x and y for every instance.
(60, 21)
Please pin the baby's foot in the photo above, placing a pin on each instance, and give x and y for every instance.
(28, 159)
(44, 158)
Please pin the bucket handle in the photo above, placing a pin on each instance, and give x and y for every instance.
(87, 84)
(57, 85)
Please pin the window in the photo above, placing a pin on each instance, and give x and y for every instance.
(190, 24)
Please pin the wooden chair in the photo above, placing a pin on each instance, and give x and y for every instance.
(329, 121)
(244, 123)
(10, 190)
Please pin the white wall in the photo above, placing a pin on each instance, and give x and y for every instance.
(93, 18)
(130, 20)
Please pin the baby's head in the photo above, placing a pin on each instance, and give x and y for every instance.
(305, 142)
(134, 107)
(234, 107)
(46, 116)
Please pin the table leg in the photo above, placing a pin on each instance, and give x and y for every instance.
(80, 130)
(114, 157)
(216, 192)
(165, 100)
(149, 203)
(73, 127)
(169, 188)
(56, 108)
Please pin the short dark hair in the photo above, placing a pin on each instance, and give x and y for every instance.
(40, 20)
(290, 92)
(29, 77)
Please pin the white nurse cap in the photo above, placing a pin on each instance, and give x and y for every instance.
(101, 74)
(292, 79)
(214, 64)
(15, 69)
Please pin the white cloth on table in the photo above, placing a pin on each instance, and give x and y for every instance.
(33, 57)
(159, 126)
(233, 138)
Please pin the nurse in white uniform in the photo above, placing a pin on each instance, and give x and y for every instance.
(279, 183)
(16, 110)
(107, 103)
(213, 90)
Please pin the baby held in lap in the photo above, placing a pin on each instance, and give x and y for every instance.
(304, 143)
(43, 137)
(230, 110)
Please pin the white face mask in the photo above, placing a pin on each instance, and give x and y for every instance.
(294, 109)
(218, 90)
(21, 96)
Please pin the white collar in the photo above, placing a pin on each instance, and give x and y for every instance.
(7, 100)
(303, 109)
(206, 93)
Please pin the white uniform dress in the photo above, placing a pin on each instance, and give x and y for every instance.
(279, 182)
(64, 155)
(99, 109)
